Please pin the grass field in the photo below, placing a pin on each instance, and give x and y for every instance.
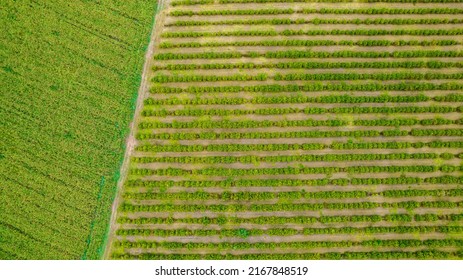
(70, 71)
(301, 130)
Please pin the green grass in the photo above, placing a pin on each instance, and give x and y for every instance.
(69, 74)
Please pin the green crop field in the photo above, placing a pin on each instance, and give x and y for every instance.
(305, 129)
(70, 72)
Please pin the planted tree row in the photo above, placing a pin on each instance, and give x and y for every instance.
(310, 43)
(208, 124)
(188, 2)
(243, 233)
(375, 243)
(211, 135)
(299, 98)
(162, 78)
(318, 21)
(206, 2)
(257, 196)
(364, 11)
(312, 32)
(313, 65)
(228, 183)
(308, 111)
(289, 207)
(284, 220)
(350, 145)
(309, 54)
(366, 76)
(251, 159)
(365, 255)
(314, 86)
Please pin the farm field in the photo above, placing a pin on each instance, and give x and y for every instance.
(299, 130)
(70, 71)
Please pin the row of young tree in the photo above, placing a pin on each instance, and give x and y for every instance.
(365, 76)
(285, 220)
(209, 124)
(309, 54)
(383, 11)
(397, 243)
(190, 2)
(361, 11)
(228, 183)
(244, 233)
(319, 21)
(210, 135)
(433, 64)
(182, 13)
(310, 43)
(313, 86)
(252, 159)
(258, 196)
(370, 255)
(162, 78)
(300, 98)
(206, 2)
(373, 230)
(291, 207)
(395, 145)
(427, 254)
(301, 32)
(349, 145)
(355, 54)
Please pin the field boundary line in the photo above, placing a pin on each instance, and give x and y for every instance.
(143, 93)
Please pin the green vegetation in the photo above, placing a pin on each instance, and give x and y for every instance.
(70, 75)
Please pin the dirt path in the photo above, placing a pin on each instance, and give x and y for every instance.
(143, 93)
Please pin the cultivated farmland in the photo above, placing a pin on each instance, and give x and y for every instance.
(70, 71)
(299, 130)
(302, 130)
